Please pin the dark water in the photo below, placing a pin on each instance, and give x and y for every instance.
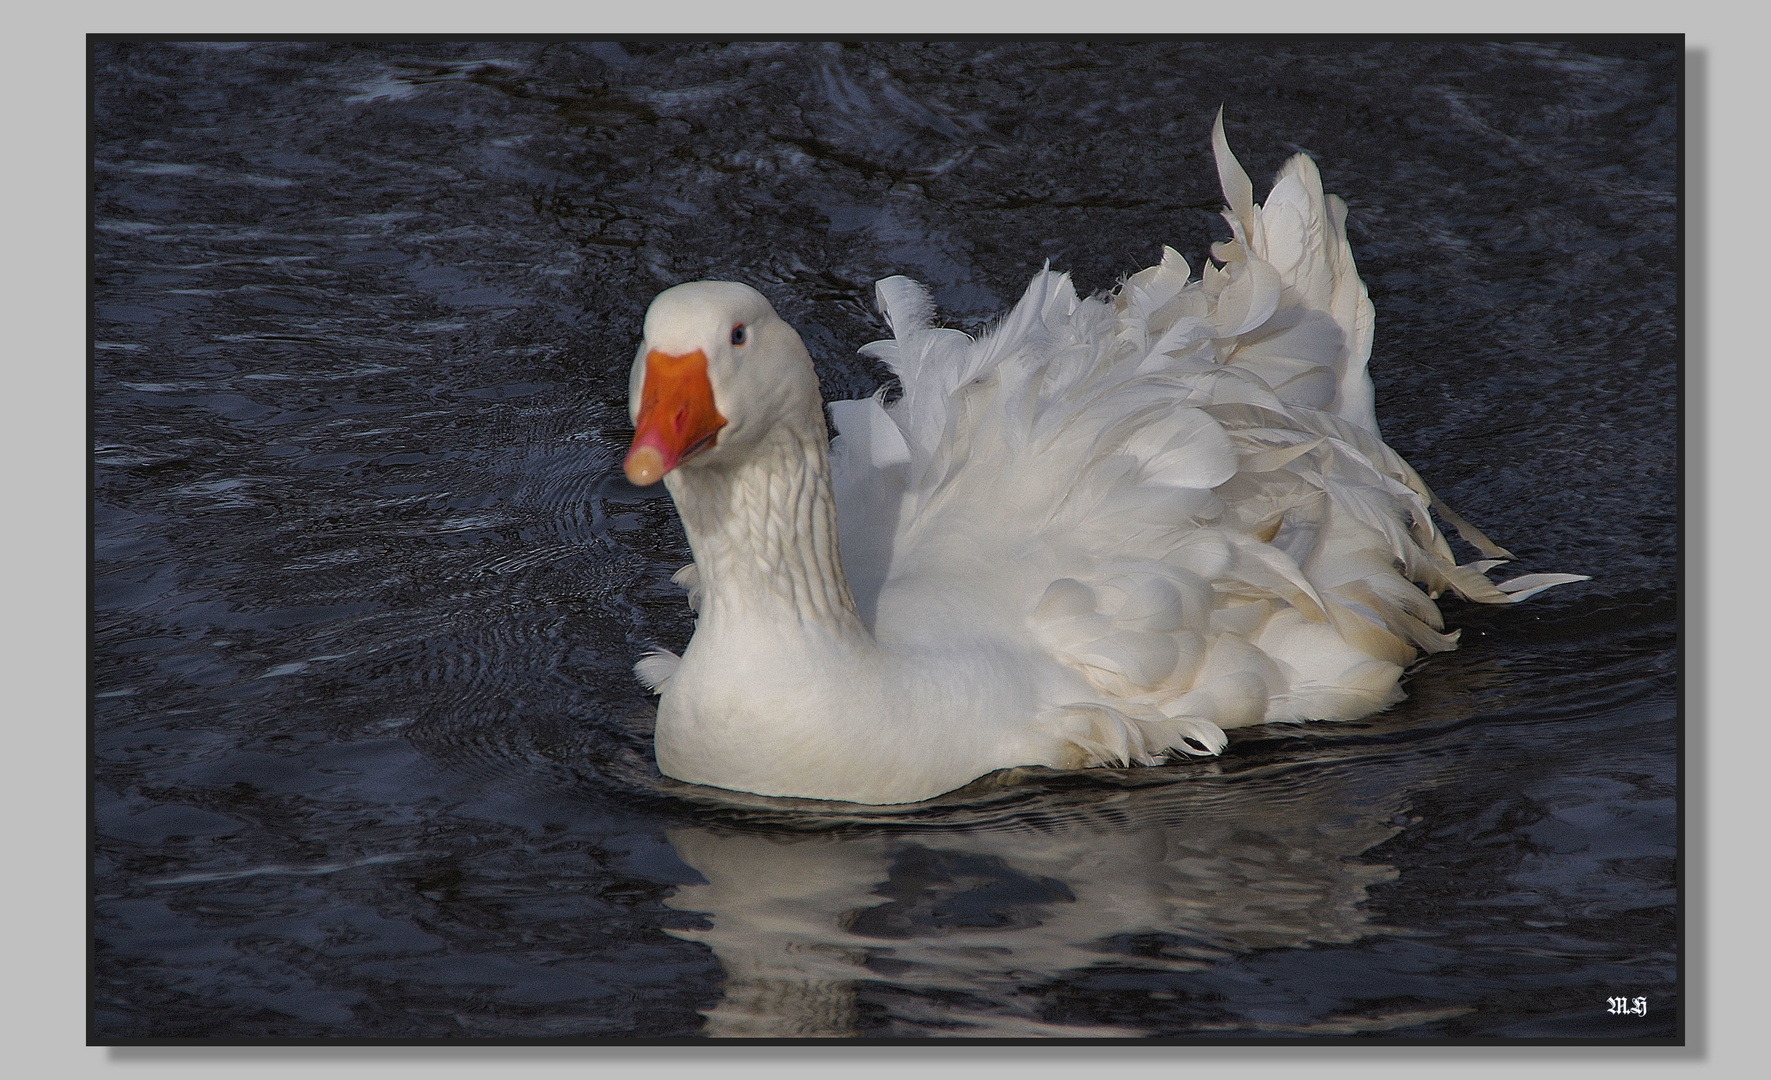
(370, 759)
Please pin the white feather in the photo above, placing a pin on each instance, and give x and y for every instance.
(655, 669)
(1105, 531)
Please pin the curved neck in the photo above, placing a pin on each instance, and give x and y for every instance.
(764, 534)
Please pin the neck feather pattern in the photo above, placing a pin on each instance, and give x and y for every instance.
(764, 534)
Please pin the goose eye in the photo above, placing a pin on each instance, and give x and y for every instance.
(738, 334)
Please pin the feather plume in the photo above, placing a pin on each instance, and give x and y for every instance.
(1217, 430)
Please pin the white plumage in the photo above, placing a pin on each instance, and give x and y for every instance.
(1104, 532)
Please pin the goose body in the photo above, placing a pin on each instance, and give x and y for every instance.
(1103, 533)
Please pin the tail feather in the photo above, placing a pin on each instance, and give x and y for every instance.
(1524, 588)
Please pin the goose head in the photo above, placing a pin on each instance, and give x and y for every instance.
(716, 371)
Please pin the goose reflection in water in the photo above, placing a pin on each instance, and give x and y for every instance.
(971, 918)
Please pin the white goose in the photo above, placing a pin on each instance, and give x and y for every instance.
(1102, 533)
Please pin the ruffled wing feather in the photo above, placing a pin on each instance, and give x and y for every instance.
(1179, 487)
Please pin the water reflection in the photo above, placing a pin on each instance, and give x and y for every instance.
(972, 917)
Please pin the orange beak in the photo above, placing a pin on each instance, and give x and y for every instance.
(677, 418)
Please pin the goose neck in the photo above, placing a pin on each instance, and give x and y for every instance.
(764, 535)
